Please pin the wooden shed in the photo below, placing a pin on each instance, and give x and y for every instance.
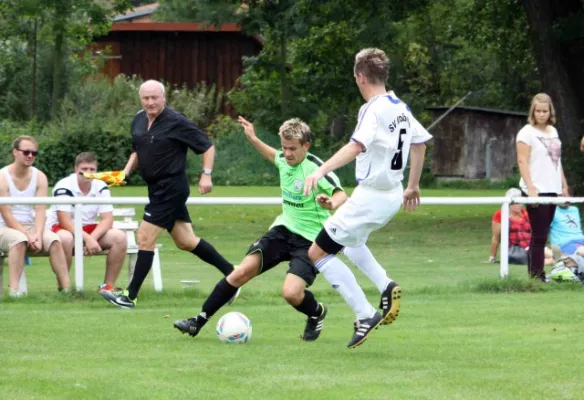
(475, 143)
(178, 53)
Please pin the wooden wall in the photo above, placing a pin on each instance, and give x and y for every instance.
(179, 57)
(461, 140)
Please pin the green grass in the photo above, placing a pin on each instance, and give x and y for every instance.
(462, 334)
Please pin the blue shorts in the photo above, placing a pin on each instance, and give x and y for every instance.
(571, 246)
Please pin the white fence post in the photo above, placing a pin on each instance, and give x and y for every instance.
(505, 239)
(78, 210)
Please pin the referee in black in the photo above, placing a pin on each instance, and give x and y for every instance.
(161, 138)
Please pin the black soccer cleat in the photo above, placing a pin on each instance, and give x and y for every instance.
(390, 302)
(363, 328)
(314, 326)
(192, 326)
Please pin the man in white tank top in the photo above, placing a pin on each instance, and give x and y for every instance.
(22, 227)
(97, 219)
(386, 134)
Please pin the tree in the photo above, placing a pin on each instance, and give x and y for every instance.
(66, 27)
(557, 36)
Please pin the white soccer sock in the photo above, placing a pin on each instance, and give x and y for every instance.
(343, 281)
(362, 258)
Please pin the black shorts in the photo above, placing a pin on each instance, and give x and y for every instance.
(279, 244)
(168, 203)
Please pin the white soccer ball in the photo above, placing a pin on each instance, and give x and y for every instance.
(234, 327)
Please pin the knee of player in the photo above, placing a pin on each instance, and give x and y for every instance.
(292, 294)
(240, 276)
(145, 240)
(185, 245)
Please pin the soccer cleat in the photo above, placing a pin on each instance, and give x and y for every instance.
(192, 326)
(389, 304)
(118, 298)
(363, 328)
(314, 326)
(109, 287)
(235, 296)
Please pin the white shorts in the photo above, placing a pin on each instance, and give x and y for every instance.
(366, 211)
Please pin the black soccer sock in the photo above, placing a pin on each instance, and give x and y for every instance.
(143, 265)
(206, 252)
(220, 295)
(309, 305)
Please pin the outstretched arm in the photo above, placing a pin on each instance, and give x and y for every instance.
(268, 152)
(345, 155)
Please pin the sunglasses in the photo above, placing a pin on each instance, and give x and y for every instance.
(29, 152)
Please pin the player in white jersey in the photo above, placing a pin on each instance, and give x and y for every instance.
(385, 135)
(98, 231)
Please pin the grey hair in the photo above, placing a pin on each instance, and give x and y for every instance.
(513, 192)
(152, 81)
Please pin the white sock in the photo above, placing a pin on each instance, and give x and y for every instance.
(362, 258)
(343, 281)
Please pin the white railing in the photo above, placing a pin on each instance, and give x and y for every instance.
(78, 202)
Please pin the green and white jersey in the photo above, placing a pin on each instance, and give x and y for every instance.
(302, 214)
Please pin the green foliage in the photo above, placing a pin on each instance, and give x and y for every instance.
(57, 154)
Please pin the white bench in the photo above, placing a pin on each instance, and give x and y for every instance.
(126, 224)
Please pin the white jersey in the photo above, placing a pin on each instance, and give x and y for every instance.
(69, 186)
(386, 128)
(23, 213)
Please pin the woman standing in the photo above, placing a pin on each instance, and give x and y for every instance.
(539, 153)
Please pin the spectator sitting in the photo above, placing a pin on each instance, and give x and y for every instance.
(519, 233)
(22, 225)
(566, 228)
(97, 236)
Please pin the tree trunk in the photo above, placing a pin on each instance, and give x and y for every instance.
(57, 67)
(283, 83)
(555, 60)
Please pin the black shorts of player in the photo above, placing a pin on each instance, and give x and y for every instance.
(168, 202)
(324, 241)
(278, 245)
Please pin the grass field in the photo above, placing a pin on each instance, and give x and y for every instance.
(462, 333)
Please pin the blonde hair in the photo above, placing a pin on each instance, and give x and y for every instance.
(18, 140)
(542, 98)
(373, 64)
(295, 129)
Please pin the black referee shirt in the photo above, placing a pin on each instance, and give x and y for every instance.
(162, 150)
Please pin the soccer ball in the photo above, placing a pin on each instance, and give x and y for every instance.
(234, 327)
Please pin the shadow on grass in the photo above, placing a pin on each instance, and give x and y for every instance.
(514, 285)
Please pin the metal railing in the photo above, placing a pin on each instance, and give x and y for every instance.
(78, 203)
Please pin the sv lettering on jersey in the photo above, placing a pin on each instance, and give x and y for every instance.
(400, 118)
(295, 205)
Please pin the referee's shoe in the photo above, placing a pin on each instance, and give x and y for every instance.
(390, 302)
(118, 298)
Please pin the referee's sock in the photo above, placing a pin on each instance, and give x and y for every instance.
(143, 265)
(309, 305)
(220, 295)
(206, 252)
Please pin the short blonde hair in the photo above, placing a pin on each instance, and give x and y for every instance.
(295, 129)
(18, 140)
(373, 63)
(542, 98)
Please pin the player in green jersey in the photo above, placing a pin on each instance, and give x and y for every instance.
(291, 234)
